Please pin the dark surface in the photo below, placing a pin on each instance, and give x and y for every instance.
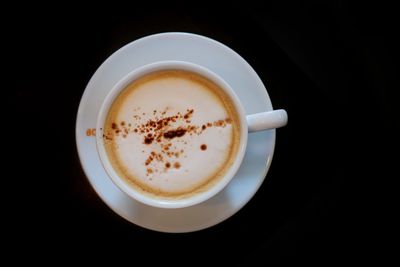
(331, 66)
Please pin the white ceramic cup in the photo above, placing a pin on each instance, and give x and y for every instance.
(250, 123)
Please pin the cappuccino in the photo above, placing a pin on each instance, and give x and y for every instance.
(172, 134)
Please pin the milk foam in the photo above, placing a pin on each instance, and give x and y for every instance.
(175, 166)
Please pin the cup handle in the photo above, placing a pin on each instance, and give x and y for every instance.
(267, 120)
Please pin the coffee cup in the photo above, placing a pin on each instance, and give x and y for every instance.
(173, 134)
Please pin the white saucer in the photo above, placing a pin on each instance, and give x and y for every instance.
(210, 54)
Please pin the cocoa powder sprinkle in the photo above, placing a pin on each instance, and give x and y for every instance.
(165, 131)
(148, 140)
(174, 133)
(177, 165)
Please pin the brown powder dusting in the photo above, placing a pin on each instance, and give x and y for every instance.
(164, 131)
(107, 137)
(219, 123)
(148, 160)
(159, 157)
(148, 140)
(177, 165)
(174, 133)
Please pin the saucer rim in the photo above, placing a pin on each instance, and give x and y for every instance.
(117, 209)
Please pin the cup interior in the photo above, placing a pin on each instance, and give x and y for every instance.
(170, 203)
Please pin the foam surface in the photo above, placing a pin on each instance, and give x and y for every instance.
(170, 133)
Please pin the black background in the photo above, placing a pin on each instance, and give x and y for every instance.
(332, 66)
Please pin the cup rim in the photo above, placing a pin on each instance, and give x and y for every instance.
(132, 192)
